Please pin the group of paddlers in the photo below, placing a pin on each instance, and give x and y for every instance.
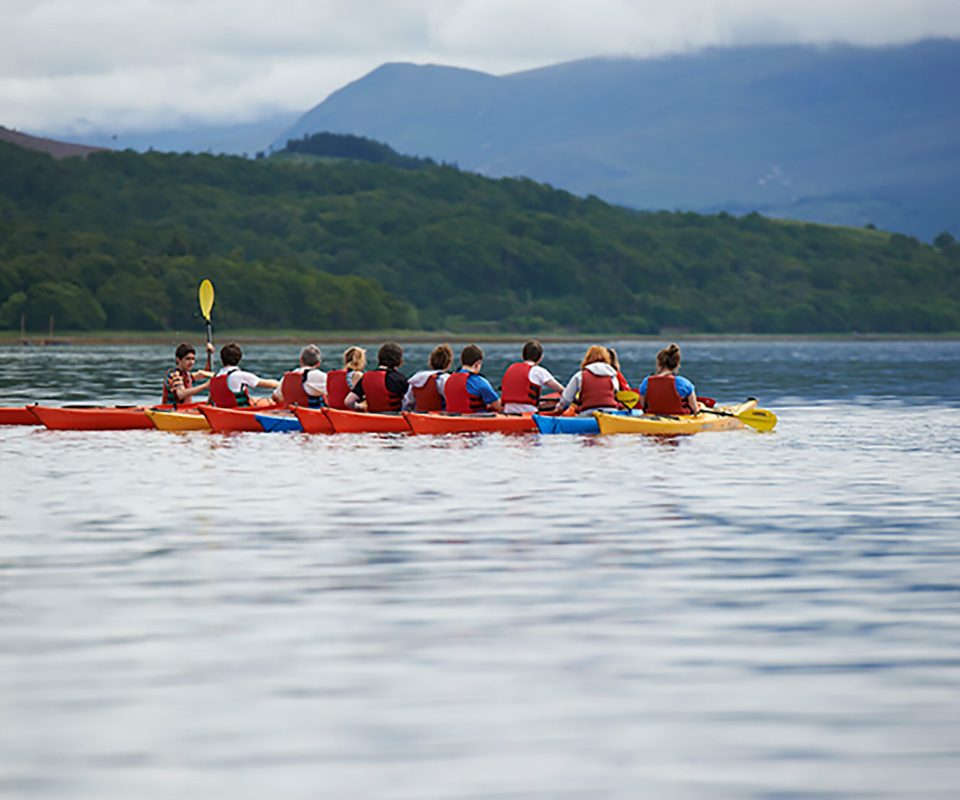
(598, 385)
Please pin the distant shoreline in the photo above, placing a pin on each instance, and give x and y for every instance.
(12, 338)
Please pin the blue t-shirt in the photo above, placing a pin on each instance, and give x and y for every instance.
(684, 387)
(480, 387)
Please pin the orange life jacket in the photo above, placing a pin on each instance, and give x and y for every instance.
(186, 381)
(222, 397)
(294, 392)
(428, 396)
(596, 391)
(459, 400)
(517, 387)
(337, 388)
(662, 396)
(378, 396)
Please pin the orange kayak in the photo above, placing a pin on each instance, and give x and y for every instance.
(470, 423)
(227, 420)
(92, 419)
(313, 420)
(364, 422)
(18, 415)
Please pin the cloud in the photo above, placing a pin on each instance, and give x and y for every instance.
(138, 63)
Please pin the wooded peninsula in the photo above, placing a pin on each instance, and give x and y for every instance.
(324, 239)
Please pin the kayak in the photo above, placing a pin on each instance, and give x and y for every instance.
(469, 423)
(177, 420)
(18, 415)
(101, 418)
(279, 422)
(566, 424)
(229, 420)
(719, 419)
(313, 420)
(364, 421)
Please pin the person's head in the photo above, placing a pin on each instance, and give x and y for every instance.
(595, 355)
(532, 351)
(310, 356)
(230, 354)
(186, 356)
(390, 355)
(668, 359)
(471, 355)
(614, 358)
(441, 357)
(355, 359)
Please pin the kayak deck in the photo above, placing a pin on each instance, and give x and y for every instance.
(177, 420)
(723, 418)
(438, 424)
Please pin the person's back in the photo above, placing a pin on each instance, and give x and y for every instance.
(524, 381)
(230, 387)
(425, 390)
(594, 387)
(383, 389)
(665, 392)
(467, 391)
(306, 385)
(341, 381)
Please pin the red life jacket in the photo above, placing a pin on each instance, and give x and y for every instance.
(662, 396)
(337, 388)
(379, 397)
(428, 396)
(596, 391)
(170, 396)
(459, 400)
(517, 387)
(222, 397)
(293, 390)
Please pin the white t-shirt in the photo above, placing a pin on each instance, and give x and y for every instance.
(237, 379)
(316, 383)
(419, 380)
(538, 376)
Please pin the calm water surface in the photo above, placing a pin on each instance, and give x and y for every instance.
(731, 615)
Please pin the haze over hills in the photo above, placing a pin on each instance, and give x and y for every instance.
(840, 135)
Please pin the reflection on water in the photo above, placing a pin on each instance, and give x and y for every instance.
(726, 615)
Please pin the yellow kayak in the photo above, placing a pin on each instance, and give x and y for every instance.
(178, 420)
(721, 418)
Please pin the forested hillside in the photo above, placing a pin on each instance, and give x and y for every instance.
(121, 240)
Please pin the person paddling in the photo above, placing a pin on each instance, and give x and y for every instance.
(425, 391)
(382, 389)
(524, 380)
(467, 391)
(230, 387)
(178, 383)
(666, 392)
(306, 385)
(594, 387)
(341, 381)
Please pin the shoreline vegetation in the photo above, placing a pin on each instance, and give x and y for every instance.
(299, 338)
(119, 242)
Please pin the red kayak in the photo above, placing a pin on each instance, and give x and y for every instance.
(18, 415)
(313, 420)
(227, 420)
(92, 419)
(365, 422)
(470, 423)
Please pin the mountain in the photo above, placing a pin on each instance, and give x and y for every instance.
(51, 147)
(318, 240)
(838, 134)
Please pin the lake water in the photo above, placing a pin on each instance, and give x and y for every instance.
(730, 615)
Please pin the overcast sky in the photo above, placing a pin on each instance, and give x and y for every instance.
(140, 64)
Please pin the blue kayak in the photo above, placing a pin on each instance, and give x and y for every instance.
(566, 424)
(279, 423)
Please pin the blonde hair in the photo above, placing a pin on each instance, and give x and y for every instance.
(669, 357)
(355, 359)
(595, 354)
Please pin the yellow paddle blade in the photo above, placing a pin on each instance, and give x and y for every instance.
(758, 418)
(206, 298)
(628, 397)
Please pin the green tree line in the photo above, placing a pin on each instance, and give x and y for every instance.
(120, 240)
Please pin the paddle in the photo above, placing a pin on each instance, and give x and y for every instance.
(206, 306)
(758, 418)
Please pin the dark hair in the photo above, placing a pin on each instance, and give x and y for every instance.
(441, 357)
(470, 355)
(614, 358)
(669, 357)
(183, 350)
(390, 355)
(230, 354)
(532, 351)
